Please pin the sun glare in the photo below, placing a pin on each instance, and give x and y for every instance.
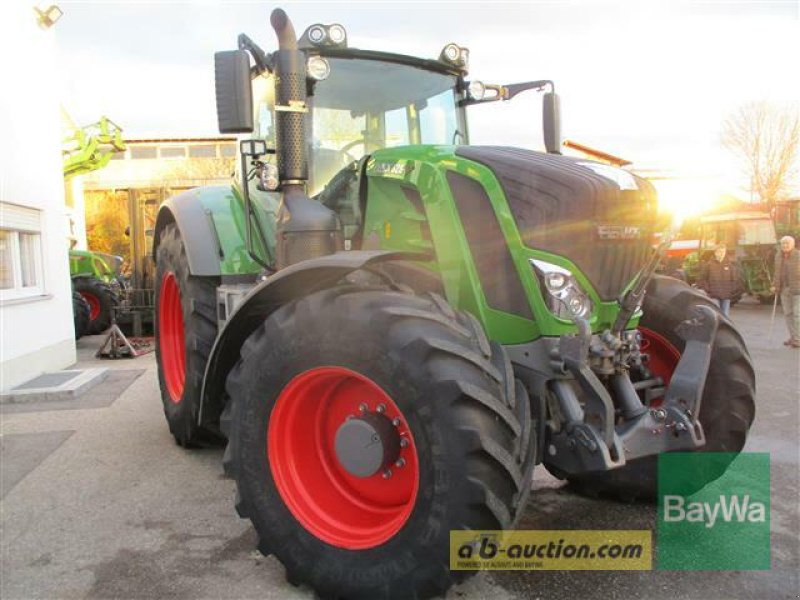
(682, 198)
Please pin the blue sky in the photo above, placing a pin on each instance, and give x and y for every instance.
(650, 81)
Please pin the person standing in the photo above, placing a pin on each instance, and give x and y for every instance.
(787, 285)
(720, 279)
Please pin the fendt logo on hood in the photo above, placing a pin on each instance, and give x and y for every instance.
(619, 232)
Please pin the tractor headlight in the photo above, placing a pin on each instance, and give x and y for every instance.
(451, 52)
(565, 297)
(476, 90)
(337, 34)
(268, 180)
(455, 55)
(318, 68)
(324, 35)
(317, 34)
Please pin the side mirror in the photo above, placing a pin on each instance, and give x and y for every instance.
(551, 122)
(233, 90)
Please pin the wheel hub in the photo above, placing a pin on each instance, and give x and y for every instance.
(312, 476)
(367, 444)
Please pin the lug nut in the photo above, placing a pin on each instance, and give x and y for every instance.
(387, 473)
(404, 443)
(363, 407)
(381, 408)
(396, 422)
(401, 462)
(659, 414)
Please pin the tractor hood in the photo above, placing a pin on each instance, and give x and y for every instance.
(598, 216)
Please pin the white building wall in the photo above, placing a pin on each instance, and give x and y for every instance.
(36, 326)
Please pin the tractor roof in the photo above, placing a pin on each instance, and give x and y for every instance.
(422, 63)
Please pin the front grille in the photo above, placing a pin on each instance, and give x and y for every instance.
(561, 206)
(617, 263)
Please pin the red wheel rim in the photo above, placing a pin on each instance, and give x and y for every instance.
(94, 305)
(337, 507)
(664, 357)
(170, 337)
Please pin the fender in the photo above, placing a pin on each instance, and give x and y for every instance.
(211, 223)
(292, 282)
(196, 229)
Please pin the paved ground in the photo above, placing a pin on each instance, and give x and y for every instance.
(98, 502)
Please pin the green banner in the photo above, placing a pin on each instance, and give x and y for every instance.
(723, 526)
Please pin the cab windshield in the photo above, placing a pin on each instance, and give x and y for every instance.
(365, 105)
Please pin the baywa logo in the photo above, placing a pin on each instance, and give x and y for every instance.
(722, 526)
(732, 508)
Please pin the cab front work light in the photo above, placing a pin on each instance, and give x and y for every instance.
(564, 298)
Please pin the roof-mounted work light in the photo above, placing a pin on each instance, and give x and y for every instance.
(319, 35)
(455, 55)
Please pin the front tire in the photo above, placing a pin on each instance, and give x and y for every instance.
(80, 314)
(101, 299)
(728, 405)
(317, 363)
(185, 329)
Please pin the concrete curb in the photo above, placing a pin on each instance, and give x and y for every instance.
(62, 385)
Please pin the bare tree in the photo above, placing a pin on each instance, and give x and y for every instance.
(766, 138)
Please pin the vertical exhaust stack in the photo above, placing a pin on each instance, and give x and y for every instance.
(306, 228)
(290, 103)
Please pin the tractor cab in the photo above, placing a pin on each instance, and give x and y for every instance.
(314, 109)
(410, 102)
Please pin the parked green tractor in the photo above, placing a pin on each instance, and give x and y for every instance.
(750, 238)
(96, 277)
(392, 327)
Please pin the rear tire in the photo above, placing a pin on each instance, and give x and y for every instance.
(101, 299)
(80, 314)
(728, 405)
(469, 455)
(185, 330)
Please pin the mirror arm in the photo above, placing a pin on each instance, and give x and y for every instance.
(507, 92)
(515, 88)
(262, 59)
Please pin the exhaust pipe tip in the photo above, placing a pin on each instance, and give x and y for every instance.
(287, 40)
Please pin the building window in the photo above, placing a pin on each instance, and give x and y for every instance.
(6, 260)
(29, 251)
(143, 152)
(227, 150)
(203, 151)
(173, 152)
(20, 252)
(20, 264)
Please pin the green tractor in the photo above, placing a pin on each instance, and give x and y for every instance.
(750, 237)
(391, 327)
(97, 280)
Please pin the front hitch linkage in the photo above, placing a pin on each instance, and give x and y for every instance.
(589, 441)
